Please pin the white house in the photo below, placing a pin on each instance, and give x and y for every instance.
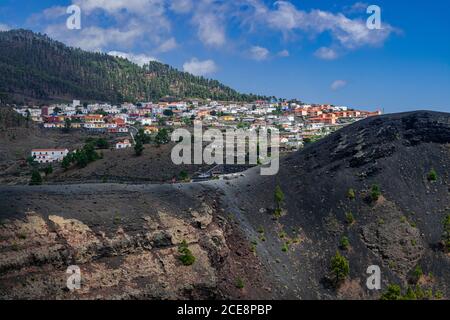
(48, 155)
(145, 121)
(123, 144)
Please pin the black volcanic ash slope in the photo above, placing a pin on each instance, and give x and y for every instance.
(400, 231)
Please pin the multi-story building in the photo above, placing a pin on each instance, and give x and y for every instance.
(48, 155)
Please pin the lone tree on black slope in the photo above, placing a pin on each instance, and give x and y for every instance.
(279, 198)
(36, 178)
(162, 137)
(138, 147)
(340, 268)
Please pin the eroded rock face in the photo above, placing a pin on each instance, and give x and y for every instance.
(393, 239)
(37, 251)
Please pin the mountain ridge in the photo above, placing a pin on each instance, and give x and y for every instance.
(35, 68)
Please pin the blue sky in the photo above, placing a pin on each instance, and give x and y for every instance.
(319, 51)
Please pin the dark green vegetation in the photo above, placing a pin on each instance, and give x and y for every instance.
(351, 194)
(186, 256)
(432, 175)
(36, 178)
(240, 283)
(142, 137)
(138, 148)
(81, 157)
(279, 198)
(100, 143)
(162, 137)
(34, 67)
(340, 268)
(395, 292)
(350, 219)
(375, 192)
(345, 243)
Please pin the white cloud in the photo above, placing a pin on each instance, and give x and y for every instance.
(285, 17)
(358, 7)
(141, 7)
(259, 53)
(167, 45)
(210, 29)
(147, 23)
(139, 59)
(200, 68)
(94, 38)
(283, 53)
(129, 22)
(4, 27)
(181, 6)
(326, 53)
(348, 33)
(338, 84)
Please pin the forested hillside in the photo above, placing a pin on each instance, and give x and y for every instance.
(34, 67)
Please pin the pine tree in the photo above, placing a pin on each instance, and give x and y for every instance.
(138, 147)
(36, 178)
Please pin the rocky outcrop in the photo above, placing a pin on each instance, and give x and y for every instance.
(37, 251)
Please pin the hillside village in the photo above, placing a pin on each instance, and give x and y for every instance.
(298, 123)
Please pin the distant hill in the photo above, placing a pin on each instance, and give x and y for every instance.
(35, 68)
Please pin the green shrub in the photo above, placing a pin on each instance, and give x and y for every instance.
(186, 257)
(162, 137)
(31, 161)
(253, 248)
(279, 196)
(48, 170)
(240, 283)
(375, 192)
(432, 175)
(345, 243)
(36, 178)
(393, 292)
(102, 143)
(417, 273)
(340, 267)
(351, 194)
(138, 148)
(277, 213)
(184, 175)
(349, 218)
